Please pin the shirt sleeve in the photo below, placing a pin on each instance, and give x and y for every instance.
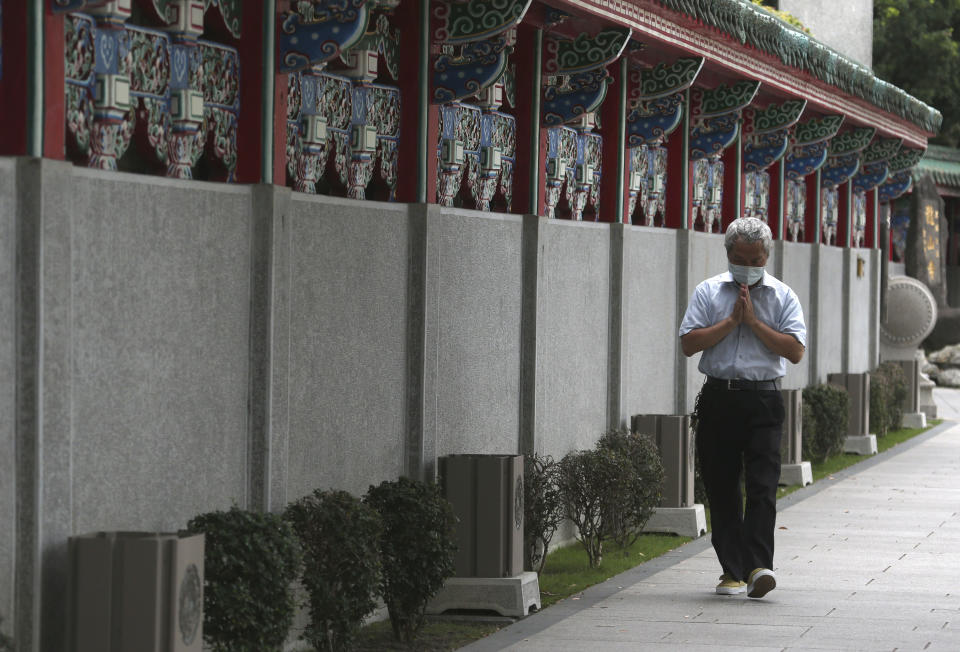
(791, 318)
(698, 311)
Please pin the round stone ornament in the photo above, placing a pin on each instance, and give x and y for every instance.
(911, 313)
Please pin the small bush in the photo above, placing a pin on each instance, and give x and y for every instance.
(590, 481)
(250, 561)
(824, 421)
(542, 508)
(640, 494)
(339, 536)
(888, 397)
(417, 548)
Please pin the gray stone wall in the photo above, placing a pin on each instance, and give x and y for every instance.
(8, 390)
(160, 314)
(651, 321)
(793, 268)
(172, 347)
(847, 26)
(829, 313)
(953, 286)
(478, 287)
(573, 303)
(347, 343)
(862, 311)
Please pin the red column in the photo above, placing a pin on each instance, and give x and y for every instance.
(614, 146)
(679, 189)
(528, 187)
(13, 83)
(811, 225)
(54, 116)
(732, 184)
(870, 235)
(417, 150)
(844, 215)
(776, 210)
(250, 121)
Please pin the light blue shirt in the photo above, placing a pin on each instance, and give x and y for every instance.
(740, 354)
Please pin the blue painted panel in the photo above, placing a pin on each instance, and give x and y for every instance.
(584, 93)
(839, 170)
(871, 176)
(338, 26)
(662, 117)
(479, 66)
(714, 136)
(768, 149)
(805, 160)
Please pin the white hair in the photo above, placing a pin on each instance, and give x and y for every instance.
(748, 230)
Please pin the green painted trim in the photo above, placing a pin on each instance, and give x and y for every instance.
(268, 93)
(781, 197)
(35, 78)
(423, 103)
(817, 209)
(535, 83)
(685, 160)
(621, 139)
(751, 25)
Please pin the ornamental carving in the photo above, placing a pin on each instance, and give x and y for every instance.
(796, 200)
(573, 171)
(648, 184)
(176, 96)
(319, 30)
(707, 186)
(585, 52)
(829, 214)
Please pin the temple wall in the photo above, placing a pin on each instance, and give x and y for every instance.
(862, 311)
(191, 345)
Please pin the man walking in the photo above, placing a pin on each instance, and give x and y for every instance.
(747, 324)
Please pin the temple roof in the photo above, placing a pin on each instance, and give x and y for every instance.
(750, 24)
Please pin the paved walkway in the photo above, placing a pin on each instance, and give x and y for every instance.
(866, 560)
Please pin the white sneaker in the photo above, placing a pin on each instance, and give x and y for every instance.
(761, 582)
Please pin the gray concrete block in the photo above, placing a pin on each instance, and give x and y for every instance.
(793, 266)
(684, 521)
(508, 596)
(860, 444)
(796, 474)
(829, 317)
(914, 420)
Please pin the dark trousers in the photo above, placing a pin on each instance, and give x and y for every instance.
(739, 431)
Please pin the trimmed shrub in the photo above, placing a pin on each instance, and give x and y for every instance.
(628, 512)
(888, 397)
(542, 508)
(824, 421)
(250, 561)
(339, 536)
(417, 548)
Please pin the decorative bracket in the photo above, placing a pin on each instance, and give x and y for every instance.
(809, 144)
(319, 30)
(472, 43)
(715, 117)
(584, 53)
(767, 133)
(874, 168)
(579, 96)
(844, 156)
(900, 178)
(656, 102)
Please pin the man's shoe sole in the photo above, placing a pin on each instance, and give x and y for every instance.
(762, 586)
(736, 591)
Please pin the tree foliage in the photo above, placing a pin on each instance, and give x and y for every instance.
(915, 47)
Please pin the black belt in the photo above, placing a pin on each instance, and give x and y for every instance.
(741, 384)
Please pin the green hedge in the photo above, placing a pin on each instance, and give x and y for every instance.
(250, 562)
(824, 421)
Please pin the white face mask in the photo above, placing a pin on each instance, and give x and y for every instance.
(746, 275)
